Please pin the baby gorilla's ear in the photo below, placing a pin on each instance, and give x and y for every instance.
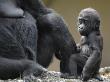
(97, 25)
(10, 9)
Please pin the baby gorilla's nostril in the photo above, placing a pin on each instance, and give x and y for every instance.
(80, 27)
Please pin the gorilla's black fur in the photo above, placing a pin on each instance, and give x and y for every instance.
(87, 61)
(18, 45)
(53, 35)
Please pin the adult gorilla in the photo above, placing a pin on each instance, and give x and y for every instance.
(53, 35)
(18, 45)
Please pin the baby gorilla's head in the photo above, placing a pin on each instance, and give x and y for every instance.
(88, 21)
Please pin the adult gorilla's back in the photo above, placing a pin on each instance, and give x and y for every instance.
(16, 35)
(18, 43)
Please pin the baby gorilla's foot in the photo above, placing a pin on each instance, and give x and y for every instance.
(98, 77)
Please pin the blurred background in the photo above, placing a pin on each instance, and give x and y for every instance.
(70, 9)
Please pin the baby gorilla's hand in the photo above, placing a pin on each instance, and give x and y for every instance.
(78, 48)
(85, 49)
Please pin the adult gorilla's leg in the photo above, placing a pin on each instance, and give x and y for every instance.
(10, 68)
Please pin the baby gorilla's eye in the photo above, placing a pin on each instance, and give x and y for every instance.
(85, 22)
(80, 21)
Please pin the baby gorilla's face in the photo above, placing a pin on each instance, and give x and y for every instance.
(88, 21)
(84, 24)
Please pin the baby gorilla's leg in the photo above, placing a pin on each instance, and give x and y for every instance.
(76, 61)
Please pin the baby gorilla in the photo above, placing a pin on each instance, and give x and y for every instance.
(86, 62)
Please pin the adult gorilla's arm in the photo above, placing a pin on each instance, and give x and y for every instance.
(64, 41)
(55, 25)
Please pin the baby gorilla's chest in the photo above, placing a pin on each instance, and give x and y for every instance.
(86, 50)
